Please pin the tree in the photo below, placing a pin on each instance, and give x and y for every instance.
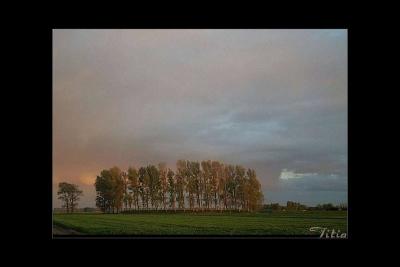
(104, 191)
(110, 190)
(126, 196)
(190, 184)
(69, 194)
(180, 183)
(144, 181)
(133, 182)
(230, 185)
(214, 182)
(255, 195)
(220, 192)
(171, 189)
(241, 186)
(162, 167)
(118, 189)
(195, 179)
(207, 186)
(154, 185)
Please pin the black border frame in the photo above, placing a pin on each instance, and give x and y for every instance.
(174, 25)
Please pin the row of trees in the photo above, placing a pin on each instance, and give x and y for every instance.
(330, 206)
(209, 185)
(290, 205)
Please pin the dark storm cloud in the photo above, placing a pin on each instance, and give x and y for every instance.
(267, 99)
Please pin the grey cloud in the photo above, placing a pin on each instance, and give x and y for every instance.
(267, 99)
(318, 182)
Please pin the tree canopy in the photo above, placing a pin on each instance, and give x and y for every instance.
(194, 186)
(69, 194)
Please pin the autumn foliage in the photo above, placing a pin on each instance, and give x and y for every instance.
(193, 186)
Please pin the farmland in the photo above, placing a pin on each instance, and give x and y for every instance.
(235, 224)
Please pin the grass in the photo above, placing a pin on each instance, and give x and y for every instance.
(274, 223)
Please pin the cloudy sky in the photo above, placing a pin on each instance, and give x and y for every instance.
(272, 100)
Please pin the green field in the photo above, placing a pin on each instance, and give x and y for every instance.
(274, 223)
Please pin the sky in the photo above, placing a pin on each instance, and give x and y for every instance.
(272, 100)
